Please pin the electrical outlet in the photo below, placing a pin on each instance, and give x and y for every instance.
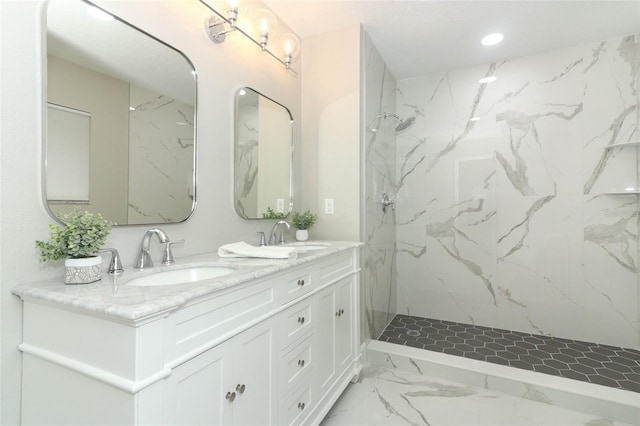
(280, 205)
(328, 206)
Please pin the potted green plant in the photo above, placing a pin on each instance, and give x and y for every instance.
(302, 222)
(272, 214)
(78, 241)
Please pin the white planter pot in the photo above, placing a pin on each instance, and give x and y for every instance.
(83, 271)
(302, 234)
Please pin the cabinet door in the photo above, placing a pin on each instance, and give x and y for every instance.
(254, 376)
(344, 324)
(325, 335)
(197, 389)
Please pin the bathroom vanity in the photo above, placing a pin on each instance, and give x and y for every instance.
(273, 342)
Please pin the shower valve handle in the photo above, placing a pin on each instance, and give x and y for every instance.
(387, 202)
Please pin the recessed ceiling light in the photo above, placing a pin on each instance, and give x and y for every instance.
(492, 39)
(474, 119)
(489, 79)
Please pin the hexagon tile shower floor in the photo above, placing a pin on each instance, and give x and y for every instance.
(585, 361)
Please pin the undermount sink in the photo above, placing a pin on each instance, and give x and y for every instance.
(304, 246)
(182, 275)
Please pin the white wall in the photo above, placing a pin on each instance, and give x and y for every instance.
(331, 144)
(222, 69)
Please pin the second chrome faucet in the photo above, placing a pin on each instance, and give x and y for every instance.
(143, 259)
(273, 238)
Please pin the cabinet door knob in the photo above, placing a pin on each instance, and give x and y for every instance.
(301, 283)
(341, 311)
(240, 388)
(301, 320)
(230, 396)
(301, 362)
(338, 313)
(301, 405)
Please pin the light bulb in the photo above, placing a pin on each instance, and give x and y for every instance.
(267, 24)
(291, 46)
(233, 12)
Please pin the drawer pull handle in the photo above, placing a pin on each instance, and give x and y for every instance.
(230, 396)
(301, 320)
(240, 388)
(301, 405)
(301, 362)
(301, 283)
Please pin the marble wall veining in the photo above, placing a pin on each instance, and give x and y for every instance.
(161, 149)
(379, 177)
(503, 216)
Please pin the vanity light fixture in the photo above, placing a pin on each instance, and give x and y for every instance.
(491, 39)
(216, 29)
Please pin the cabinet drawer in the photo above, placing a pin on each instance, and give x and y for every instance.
(297, 321)
(296, 408)
(295, 284)
(207, 322)
(335, 267)
(297, 363)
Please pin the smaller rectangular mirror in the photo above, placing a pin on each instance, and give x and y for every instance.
(263, 156)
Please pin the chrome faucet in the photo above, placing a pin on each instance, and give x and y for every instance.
(144, 259)
(167, 258)
(115, 266)
(281, 240)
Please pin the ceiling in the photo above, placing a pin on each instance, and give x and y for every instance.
(418, 37)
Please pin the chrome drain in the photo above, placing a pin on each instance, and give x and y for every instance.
(413, 333)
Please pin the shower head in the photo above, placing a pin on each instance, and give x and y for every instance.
(405, 123)
(402, 123)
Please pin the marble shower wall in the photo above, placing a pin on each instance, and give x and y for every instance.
(161, 148)
(502, 214)
(379, 168)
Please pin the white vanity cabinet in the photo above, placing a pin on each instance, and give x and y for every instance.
(230, 384)
(335, 335)
(276, 348)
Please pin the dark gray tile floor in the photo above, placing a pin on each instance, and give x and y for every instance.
(589, 362)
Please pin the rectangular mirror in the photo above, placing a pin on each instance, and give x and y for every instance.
(120, 119)
(263, 156)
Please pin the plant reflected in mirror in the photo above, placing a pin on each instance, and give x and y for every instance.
(263, 157)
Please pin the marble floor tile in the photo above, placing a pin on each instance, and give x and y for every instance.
(386, 396)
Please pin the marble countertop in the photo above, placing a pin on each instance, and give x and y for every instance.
(112, 296)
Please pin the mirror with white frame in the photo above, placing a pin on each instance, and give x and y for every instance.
(120, 108)
(263, 156)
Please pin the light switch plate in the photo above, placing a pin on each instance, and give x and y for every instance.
(328, 206)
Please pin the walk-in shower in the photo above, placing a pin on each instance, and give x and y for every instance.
(514, 238)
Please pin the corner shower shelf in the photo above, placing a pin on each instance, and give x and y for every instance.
(623, 144)
(633, 191)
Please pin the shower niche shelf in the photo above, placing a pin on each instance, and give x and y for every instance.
(630, 191)
(622, 145)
